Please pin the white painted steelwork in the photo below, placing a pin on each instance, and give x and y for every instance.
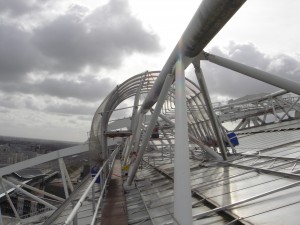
(208, 20)
(29, 194)
(36, 190)
(209, 107)
(269, 78)
(225, 185)
(182, 188)
(43, 158)
(63, 177)
(9, 200)
(150, 127)
(88, 189)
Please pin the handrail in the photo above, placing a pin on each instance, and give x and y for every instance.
(67, 202)
(81, 200)
(102, 192)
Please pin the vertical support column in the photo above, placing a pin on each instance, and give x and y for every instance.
(9, 200)
(102, 179)
(136, 137)
(75, 219)
(182, 182)
(136, 102)
(136, 122)
(125, 147)
(63, 177)
(274, 111)
(138, 132)
(67, 176)
(1, 222)
(159, 104)
(209, 107)
(93, 196)
(66, 182)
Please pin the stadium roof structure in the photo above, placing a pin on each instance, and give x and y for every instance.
(189, 169)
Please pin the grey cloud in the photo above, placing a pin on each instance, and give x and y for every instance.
(71, 42)
(4, 110)
(100, 39)
(89, 89)
(18, 101)
(50, 105)
(18, 7)
(85, 88)
(63, 42)
(17, 55)
(85, 117)
(224, 82)
(8, 102)
(83, 110)
(285, 65)
(67, 108)
(248, 54)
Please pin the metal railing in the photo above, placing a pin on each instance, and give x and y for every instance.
(110, 161)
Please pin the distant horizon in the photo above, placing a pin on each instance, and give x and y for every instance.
(32, 138)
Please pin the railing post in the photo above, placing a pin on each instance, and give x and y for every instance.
(93, 197)
(182, 186)
(88, 189)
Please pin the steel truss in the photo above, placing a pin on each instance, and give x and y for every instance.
(190, 132)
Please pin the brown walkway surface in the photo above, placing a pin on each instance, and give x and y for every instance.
(114, 207)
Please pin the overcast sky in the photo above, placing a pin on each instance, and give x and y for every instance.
(59, 59)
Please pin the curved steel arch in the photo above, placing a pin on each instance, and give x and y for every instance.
(97, 140)
(198, 121)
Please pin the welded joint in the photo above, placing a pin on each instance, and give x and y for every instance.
(202, 56)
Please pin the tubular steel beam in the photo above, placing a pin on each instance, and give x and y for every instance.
(258, 99)
(209, 107)
(208, 20)
(182, 186)
(44, 158)
(150, 127)
(63, 177)
(257, 74)
(36, 190)
(29, 194)
(9, 200)
(136, 102)
(195, 140)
